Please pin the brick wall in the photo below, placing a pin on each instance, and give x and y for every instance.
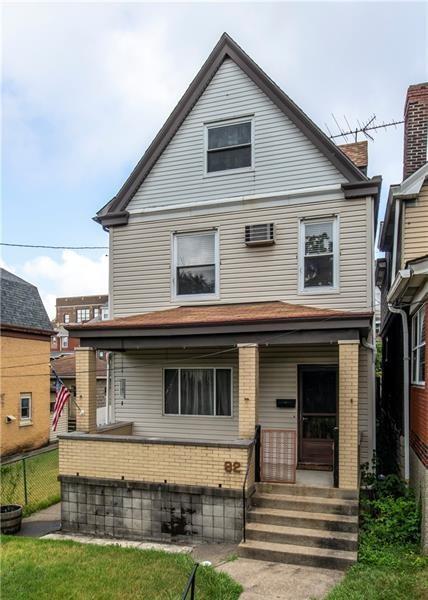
(134, 461)
(248, 390)
(348, 415)
(32, 377)
(415, 128)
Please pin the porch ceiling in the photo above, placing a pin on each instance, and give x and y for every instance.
(262, 322)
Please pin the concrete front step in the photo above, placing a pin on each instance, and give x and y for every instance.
(293, 489)
(297, 555)
(306, 503)
(305, 519)
(301, 536)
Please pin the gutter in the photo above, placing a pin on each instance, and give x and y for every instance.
(399, 285)
(406, 362)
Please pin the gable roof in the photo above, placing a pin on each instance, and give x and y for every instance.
(21, 306)
(114, 212)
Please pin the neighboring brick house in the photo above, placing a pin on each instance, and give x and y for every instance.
(65, 368)
(24, 380)
(75, 309)
(403, 278)
(241, 297)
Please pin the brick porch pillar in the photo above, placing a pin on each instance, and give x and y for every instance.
(348, 414)
(248, 389)
(86, 389)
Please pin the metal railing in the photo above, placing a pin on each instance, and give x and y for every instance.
(254, 446)
(336, 457)
(191, 583)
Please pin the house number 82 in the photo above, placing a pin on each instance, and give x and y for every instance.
(232, 467)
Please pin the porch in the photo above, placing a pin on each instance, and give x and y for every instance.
(186, 403)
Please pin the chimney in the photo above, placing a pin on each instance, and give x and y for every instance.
(358, 153)
(415, 128)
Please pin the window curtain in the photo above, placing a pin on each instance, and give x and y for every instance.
(223, 392)
(197, 392)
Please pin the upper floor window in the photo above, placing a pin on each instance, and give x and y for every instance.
(418, 347)
(318, 255)
(96, 313)
(229, 146)
(83, 314)
(66, 318)
(195, 265)
(104, 313)
(25, 407)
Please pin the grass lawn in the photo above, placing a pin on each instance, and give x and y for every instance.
(401, 575)
(44, 569)
(42, 482)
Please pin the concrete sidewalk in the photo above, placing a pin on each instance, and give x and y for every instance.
(42, 522)
(278, 581)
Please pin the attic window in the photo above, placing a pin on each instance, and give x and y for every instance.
(229, 146)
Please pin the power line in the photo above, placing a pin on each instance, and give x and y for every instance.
(55, 247)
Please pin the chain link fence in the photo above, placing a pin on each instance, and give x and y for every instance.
(31, 481)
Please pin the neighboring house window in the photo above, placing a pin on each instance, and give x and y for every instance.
(198, 392)
(418, 346)
(196, 264)
(25, 407)
(54, 341)
(229, 146)
(66, 318)
(82, 314)
(96, 313)
(318, 254)
(104, 313)
(65, 342)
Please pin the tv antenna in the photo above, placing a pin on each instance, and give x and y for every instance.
(360, 128)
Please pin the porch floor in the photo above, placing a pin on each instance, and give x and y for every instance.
(314, 478)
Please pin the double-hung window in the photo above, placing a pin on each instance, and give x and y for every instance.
(83, 315)
(229, 146)
(418, 347)
(25, 407)
(195, 265)
(318, 255)
(198, 391)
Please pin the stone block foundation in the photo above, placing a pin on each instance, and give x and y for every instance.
(150, 511)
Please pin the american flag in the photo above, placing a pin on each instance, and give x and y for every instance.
(62, 395)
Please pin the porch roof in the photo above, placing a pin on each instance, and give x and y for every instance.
(228, 323)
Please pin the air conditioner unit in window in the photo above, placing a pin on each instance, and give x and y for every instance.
(259, 235)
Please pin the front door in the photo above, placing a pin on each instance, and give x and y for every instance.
(317, 415)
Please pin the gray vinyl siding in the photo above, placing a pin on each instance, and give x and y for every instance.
(141, 256)
(143, 404)
(284, 158)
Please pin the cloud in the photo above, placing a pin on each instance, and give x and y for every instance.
(73, 274)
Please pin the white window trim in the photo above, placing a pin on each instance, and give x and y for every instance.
(195, 297)
(66, 318)
(225, 123)
(86, 311)
(325, 289)
(165, 414)
(26, 420)
(415, 346)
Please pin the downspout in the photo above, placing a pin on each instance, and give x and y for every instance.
(406, 359)
(395, 241)
(372, 347)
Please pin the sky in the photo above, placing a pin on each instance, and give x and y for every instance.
(86, 87)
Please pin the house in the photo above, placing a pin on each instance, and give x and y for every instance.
(75, 309)
(24, 347)
(403, 277)
(65, 367)
(241, 300)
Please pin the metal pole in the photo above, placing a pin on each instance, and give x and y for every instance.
(24, 473)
